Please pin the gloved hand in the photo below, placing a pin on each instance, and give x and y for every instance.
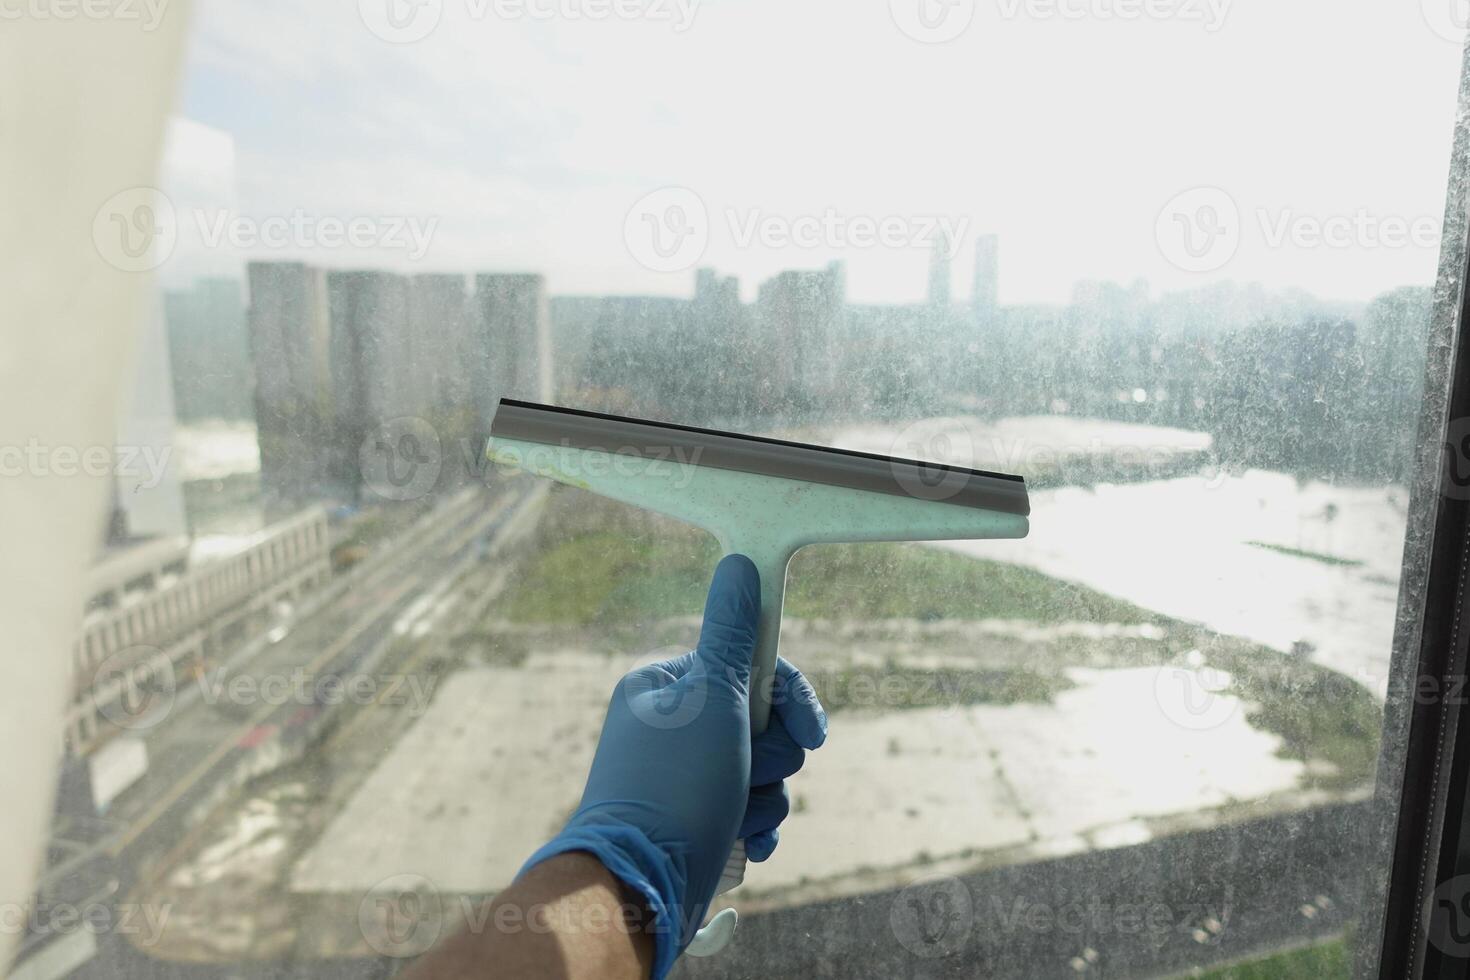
(677, 777)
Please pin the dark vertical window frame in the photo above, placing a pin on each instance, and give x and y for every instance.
(1424, 758)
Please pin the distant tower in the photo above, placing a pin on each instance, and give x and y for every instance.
(712, 290)
(704, 283)
(289, 326)
(801, 312)
(987, 275)
(440, 325)
(513, 339)
(372, 353)
(939, 289)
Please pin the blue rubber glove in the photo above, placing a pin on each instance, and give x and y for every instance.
(677, 777)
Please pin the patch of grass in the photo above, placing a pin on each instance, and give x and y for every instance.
(883, 581)
(1325, 960)
(601, 568)
(1301, 553)
(610, 578)
(894, 687)
(1317, 712)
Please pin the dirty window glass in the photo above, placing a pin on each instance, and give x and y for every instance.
(337, 676)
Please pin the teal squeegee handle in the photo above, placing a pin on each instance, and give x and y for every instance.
(772, 569)
(772, 566)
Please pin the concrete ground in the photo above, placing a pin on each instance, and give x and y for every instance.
(890, 790)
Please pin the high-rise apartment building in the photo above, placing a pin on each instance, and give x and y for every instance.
(800, 313)
(439, 325)
(512, 357)
(987, 276)
(339, 355)
(374, 376)
(289, 326)
(939, 271)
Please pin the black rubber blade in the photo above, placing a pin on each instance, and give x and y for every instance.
(936, 482)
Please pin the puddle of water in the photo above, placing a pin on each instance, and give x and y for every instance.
(1182, 547)
(212, 450)
(248, 849)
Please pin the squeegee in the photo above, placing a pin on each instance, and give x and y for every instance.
(762, 498)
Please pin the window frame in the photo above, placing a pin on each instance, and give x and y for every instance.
(1423, 788)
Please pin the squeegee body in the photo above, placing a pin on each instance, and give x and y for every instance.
(763, 498)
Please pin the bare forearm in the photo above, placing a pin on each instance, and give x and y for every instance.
(567, 918)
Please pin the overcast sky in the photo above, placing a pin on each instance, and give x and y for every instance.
(1065, 130)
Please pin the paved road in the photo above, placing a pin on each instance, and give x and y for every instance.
(197, 754)
(208, 742)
